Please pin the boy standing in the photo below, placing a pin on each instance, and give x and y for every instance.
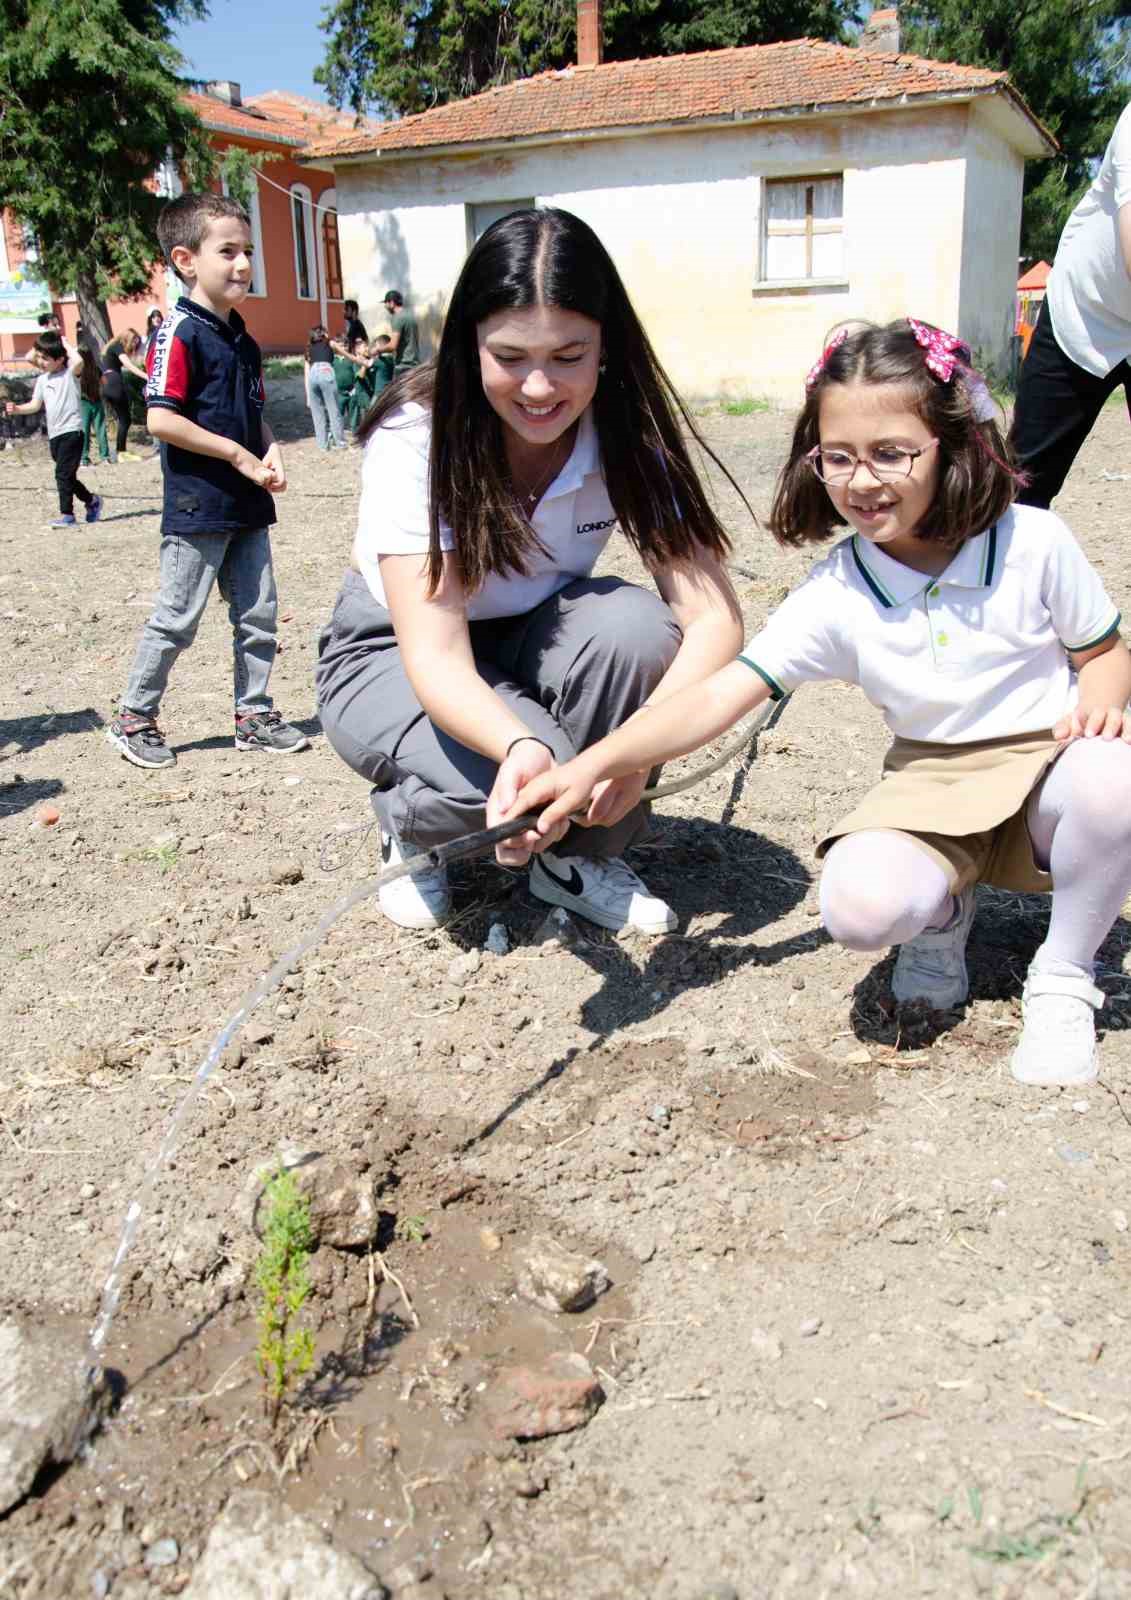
(220, 462)
(56, 392)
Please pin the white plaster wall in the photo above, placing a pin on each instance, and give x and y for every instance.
(680, 214)
(991, 238)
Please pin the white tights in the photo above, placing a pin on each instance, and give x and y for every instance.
(880, 888)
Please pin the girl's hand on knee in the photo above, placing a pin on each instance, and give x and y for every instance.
(527, 761)
(614, 798)
(1094, 722)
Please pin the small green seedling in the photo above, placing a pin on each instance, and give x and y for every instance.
(284, 1352)
(165, 855)
(412, 1230)
(744, 408)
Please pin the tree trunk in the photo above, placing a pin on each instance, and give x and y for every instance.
(92, 310)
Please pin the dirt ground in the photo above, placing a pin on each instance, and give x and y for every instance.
(868, 1333)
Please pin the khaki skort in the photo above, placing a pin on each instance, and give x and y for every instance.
(964, 804)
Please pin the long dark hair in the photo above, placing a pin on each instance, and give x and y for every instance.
(977, 479)
(550, 257)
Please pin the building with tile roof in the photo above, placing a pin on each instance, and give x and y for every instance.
(298, 273)
(751, 197)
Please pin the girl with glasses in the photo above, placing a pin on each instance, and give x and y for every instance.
(980, 631)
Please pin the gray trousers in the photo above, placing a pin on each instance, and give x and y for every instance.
(572, 669)
(240, 564)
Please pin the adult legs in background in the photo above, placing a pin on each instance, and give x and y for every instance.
(66, 453)
(324, 392)
(120, 407)
(1057, 406)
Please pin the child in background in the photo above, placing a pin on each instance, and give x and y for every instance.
(220, 462)
(120, 355)
(381, 352)
(56, 393)
(986, 639)
(346, 373)
(93, 416)
(322, 390)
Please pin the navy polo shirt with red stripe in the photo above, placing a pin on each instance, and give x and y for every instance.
(210, 371)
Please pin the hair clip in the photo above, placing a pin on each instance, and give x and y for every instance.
(945, 355)
(944, 352)
(818, 367)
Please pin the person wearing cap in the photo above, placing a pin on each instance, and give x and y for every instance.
(405, 339)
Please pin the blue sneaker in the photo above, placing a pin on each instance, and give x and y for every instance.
(66, 521)
(94, 509)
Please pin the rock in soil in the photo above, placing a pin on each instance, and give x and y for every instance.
(343, 1201)
(559, 1395)
(260, 1550)
(47, 1406)
(558, 1279)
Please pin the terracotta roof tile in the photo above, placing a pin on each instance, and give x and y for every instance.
(275, 116)
(737, 82)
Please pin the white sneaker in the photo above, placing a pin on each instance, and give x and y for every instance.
(605, 892)
(932, 966)
(1058, 1036)
(419, 899)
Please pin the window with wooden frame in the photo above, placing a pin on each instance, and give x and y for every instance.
(803, 229)
(331, 255)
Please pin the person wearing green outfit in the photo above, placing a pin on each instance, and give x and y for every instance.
(93, 416)
(405, 340)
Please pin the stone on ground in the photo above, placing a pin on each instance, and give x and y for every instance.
(532, 1402)
(258, 1549)
(47, 1406)
(558, 1279)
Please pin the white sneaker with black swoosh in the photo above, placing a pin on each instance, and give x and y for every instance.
(418, 900)
(605, 892)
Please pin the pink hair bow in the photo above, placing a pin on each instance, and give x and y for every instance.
(819, 366)
(944, 352)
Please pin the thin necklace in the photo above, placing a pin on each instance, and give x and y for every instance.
(543, 483)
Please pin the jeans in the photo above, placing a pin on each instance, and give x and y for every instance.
(1057, 406)
(66, 453)
(322, 394)
(94, 418)
(240, 564)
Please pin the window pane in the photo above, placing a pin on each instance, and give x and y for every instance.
(302, 260)
(785, 202)
(828, 199)
(785, 255)
(828, 255)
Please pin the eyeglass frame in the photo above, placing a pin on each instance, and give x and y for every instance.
(913, 452)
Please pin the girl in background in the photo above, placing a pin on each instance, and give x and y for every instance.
(120, 355)
(322, 390)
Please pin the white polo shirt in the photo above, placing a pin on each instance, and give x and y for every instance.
(1089, 290)
(574, 519)
(978, 653)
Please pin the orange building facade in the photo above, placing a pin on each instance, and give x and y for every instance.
(297, 275)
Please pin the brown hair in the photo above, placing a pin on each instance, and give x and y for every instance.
(977, 479)
(186, 220)
(543, 256)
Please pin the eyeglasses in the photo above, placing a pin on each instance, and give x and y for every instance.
(888, 463)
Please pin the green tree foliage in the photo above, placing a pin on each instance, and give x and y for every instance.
(285, 1351)
(90, 106)
(407, 55)
(1068, 58)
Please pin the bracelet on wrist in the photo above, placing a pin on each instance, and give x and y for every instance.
(534, 739)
